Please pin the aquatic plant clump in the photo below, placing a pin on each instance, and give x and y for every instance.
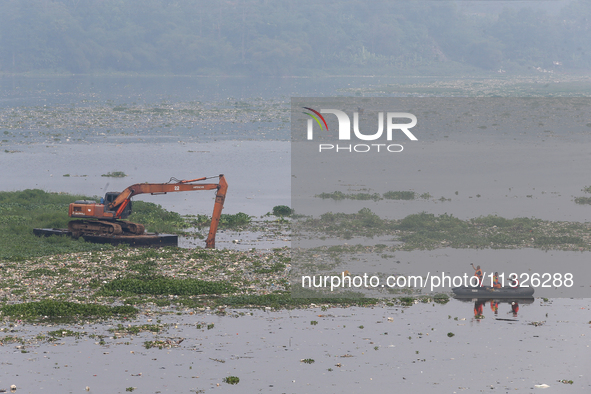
(55, 309)
(427, 231)
(337, 195)
(391, 195)
(115, 174)
(399, 195)
(163, 285)
(229, 221)
(158, 219)
(583, 200)
(64, 333)
(232, 380)
(282, 210)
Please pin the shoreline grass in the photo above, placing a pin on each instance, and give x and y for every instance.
(22, 211)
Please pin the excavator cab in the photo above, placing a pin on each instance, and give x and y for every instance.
(110, 197)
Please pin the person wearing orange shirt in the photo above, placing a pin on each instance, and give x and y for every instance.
(496, 282)
(478, 273)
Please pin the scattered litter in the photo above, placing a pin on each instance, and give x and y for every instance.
(565, 381)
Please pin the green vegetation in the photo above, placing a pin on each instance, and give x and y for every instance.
(308, 361)
(391, 195)
(41, 272)
(232, 380)
(160, 285)
(156, 343)
(115, 174)
(400, 195)
(583, 200)
(441, 299)
(134, 330)
(57, 309)
(351, 196)
(276, 267)
(365, 222)
(156, 218)
(64, 333)
(236, 220)
(282, 210)
(427, 231)
(22, 211)
(450, 334)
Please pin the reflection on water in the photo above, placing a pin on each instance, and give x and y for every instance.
(510, 306)
(424, 348)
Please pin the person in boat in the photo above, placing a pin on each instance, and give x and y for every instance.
(496, 282)
(514, 283)
(478, 273)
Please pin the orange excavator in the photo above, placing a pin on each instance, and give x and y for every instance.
(116, 206)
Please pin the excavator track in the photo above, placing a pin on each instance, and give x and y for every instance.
(80, 228)
(131, 228)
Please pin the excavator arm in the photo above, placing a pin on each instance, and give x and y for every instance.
(180, 186)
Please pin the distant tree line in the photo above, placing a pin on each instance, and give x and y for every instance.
(264, 37)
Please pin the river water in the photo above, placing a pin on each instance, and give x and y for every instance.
(425, 348)
(156, 128)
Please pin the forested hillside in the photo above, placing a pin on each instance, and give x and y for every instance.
(263, 37)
